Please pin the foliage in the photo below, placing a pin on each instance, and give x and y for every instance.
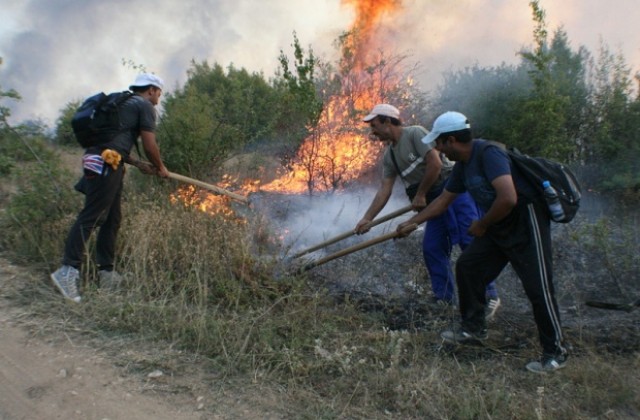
(557, 103)
(299, 95)
(39, 211)
(25, 143)
(194, 285)
(542, 119)
(215, 113)
(64, 132)
(489, 97)
(7, 136)
(337, 143)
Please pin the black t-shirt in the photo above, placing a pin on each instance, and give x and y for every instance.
(137, 114)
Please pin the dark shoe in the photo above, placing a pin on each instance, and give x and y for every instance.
(462, 336)
(548, 363)
(110, 280)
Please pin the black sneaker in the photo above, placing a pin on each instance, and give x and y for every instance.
(462, 336)
(548, 363)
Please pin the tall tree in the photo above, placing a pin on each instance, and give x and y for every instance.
(542, 117)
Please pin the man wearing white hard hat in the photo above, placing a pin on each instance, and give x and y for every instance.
(102, 184)
(513, 229)
(423, 172)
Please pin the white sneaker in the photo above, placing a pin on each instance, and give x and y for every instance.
(492, 306)
(66, 280)
(109, 280)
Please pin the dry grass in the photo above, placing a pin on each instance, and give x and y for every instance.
(212, 288)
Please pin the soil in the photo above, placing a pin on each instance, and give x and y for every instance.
(44, 375)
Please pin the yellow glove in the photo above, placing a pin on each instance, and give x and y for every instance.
(112, 158)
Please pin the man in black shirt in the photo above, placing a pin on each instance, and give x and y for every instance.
(102, 185)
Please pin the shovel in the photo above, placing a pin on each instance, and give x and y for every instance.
(351, 232)
(209, 187)
(357, 247)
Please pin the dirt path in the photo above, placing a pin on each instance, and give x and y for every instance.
(54, 378)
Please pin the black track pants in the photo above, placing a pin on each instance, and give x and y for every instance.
(101, 209)
(524, 240)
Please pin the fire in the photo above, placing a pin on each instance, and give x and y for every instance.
(206, 202)
(333, 161)
(338, 151)
(368, 14)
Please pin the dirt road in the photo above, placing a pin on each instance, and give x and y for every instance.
(44, 377)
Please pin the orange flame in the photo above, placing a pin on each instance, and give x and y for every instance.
(206, 202)
(337, 151)
(368, 14)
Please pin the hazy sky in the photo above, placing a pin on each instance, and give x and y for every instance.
(55, 51)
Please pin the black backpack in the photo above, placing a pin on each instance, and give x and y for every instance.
(537, 170)
(97, 120)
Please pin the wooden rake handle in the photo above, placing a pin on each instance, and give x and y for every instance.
(345, 235)
(358, 247)
(209, 187)
(628, 307)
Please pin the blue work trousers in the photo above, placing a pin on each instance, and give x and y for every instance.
(440, 234)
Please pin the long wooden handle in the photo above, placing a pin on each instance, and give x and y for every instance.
(357, 247)
(345, 235)
(628, 307)
(209, 187)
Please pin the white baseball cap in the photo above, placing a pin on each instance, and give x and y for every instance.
(146, 79)
(446, 123)
(383, 109)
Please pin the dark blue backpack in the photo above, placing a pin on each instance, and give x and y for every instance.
(97, 120)
(536, 170)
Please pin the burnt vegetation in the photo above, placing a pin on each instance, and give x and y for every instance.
(355, 338)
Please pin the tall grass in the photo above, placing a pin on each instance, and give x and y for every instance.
(204, 283)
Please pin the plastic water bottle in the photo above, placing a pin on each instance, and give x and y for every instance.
(553, 201)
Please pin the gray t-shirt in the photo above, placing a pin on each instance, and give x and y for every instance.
(137, 114)
(410, 152)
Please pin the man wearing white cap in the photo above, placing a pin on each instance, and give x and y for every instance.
(423, 172)
(513, 229)
(102, 184)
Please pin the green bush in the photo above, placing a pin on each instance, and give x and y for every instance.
(39, 213)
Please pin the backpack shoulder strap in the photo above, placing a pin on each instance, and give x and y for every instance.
(395, 163)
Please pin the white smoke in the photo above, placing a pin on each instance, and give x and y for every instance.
(57, 51)
(312, 220)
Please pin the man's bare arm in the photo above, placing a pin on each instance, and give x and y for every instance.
(431, 174)
(378, 203)
(152, 151)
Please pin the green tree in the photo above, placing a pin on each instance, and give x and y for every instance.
(7, 135)
(489, 97)
(568, 71)
(215, 113)
(64, 132)
(542, 117)
(298, 87)
(612, 149)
